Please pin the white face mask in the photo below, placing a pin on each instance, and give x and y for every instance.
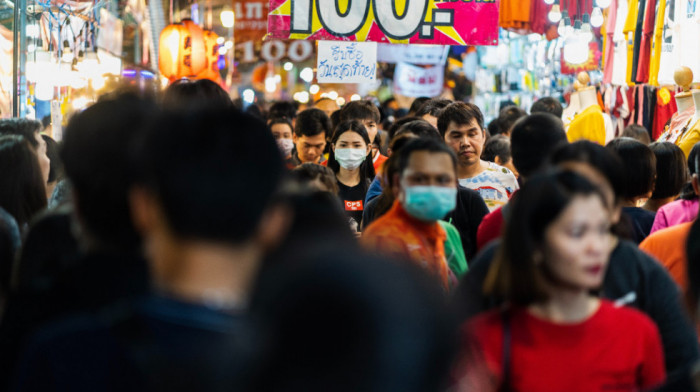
(350, 158)
(285, 146)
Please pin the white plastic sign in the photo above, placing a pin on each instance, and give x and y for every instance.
(346, 62)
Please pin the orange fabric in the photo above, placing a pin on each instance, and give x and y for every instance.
(378, 162)
(400, 235)
(668, 246)
(515, 14)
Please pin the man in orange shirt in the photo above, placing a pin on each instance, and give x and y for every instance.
(426, 192)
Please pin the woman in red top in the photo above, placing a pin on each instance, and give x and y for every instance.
(555, 335)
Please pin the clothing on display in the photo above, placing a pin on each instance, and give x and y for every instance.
(678, 126)
(588, 125)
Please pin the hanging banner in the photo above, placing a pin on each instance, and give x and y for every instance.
(414, 54)
(275, 50)
(413, 81)
(250, 20)
(449, 22)
(346, 62)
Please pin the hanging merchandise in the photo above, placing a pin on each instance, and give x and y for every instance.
(669, 60)
(590, 123)
(680, 121)
(184, 52)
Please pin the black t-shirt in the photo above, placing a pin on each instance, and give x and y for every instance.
(466, 217)
(353, 199)
(640, 222)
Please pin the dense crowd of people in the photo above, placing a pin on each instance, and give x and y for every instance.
(186, 243)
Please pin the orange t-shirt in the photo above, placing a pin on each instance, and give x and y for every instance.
(398, 234)
(668, 247)
(515, 14)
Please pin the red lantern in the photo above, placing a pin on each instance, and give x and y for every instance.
(181, 50)
(211, 72)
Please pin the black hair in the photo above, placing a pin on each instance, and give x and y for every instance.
(397, 124)
(433, 107)
(22, 188)
(493, 128)
(671, 170)
(360, 110)
(533, 138)
(639, 166)
(638, 132)
(604, 160)
(547, 105)
(460, 113)
(283, 109)
(46, 121)
(308, 172)
(420, 128)
(184, 94)
(507, 117)
(367, 173)
(688, 193)
(335, 120)
(96, 150)
(9, 245)
(497, 146)
(416, 105)
(422, 144)
(21, 127)
(52, 152)
(312, 122)
(205, 170)
(280, 120)
(693, 269)
(514, 275)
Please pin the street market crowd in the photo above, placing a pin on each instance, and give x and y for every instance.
(188, 243)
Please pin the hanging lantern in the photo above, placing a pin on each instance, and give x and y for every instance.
(211, 71)
(181, 50)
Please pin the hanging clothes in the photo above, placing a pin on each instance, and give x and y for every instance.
(680, 122)
(689, 34)
(588, 125)
(610, 43)
(645, 43)
(657, 44)
(669, 60)
(638, 32)
(515, 14)
(629, 30)
(619, 65)
(690, 137)
(665, 108)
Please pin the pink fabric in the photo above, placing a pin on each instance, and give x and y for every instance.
(609, 44)
(675, 213)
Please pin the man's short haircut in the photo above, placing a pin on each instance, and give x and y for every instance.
(638, 132)
(604, 160)
(532, 140)
(433, 107)
(21, 127)
(397, 125)
(279, 120)
(419, 128)
(671, 171)
(312, 122)
(206, 172)
(417, 104)
(283, 109)
(96, 151)
(507, 117)
(497, 146)
(52, 152)
(639, 166)
(188, 95)
(460, 113)
(547, 105)
(360, 110)
(309, 172)
(422, 144)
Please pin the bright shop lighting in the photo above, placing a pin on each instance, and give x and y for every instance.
(270, 85)
(32, 31)
(301, 96)
(549, 2)
(333, 95)
(555, 14)
(248, 95)
(597, 18)
(603, 3)
(355, 97)
(227, 18)
(229, 45)
(288, 66)
(307, 74)
(576, 50)
(220, 41)
(98, 83)
(314, 89)
(80, 103)
(31, 48)
(278, 78)
(222, 50)
(340, 101)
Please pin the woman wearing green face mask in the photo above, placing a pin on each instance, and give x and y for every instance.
(353, 169)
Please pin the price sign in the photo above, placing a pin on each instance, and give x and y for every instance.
(446, 22)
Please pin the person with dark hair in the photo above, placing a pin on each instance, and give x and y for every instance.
(430, 110)
(22, 186)
(31, 131)
(416, 105)
(310, 132)
(284, 109)
(532, 140)
(497, 150)
(284, 135)
(639, 165)
(633, 278)
(185, 94)
(507, 117)
(366, 113)
(426, 192)
(205, 248)
(637, 132)
(317, 177)
(10, 242)
(55, 165)
(684, 209)
(462, 127)
(354, 171)
(329, 106)
(671, 175)
(555, 252)
(547, 105)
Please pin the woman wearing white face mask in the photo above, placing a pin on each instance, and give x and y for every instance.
(282, 131)
(353, 169)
